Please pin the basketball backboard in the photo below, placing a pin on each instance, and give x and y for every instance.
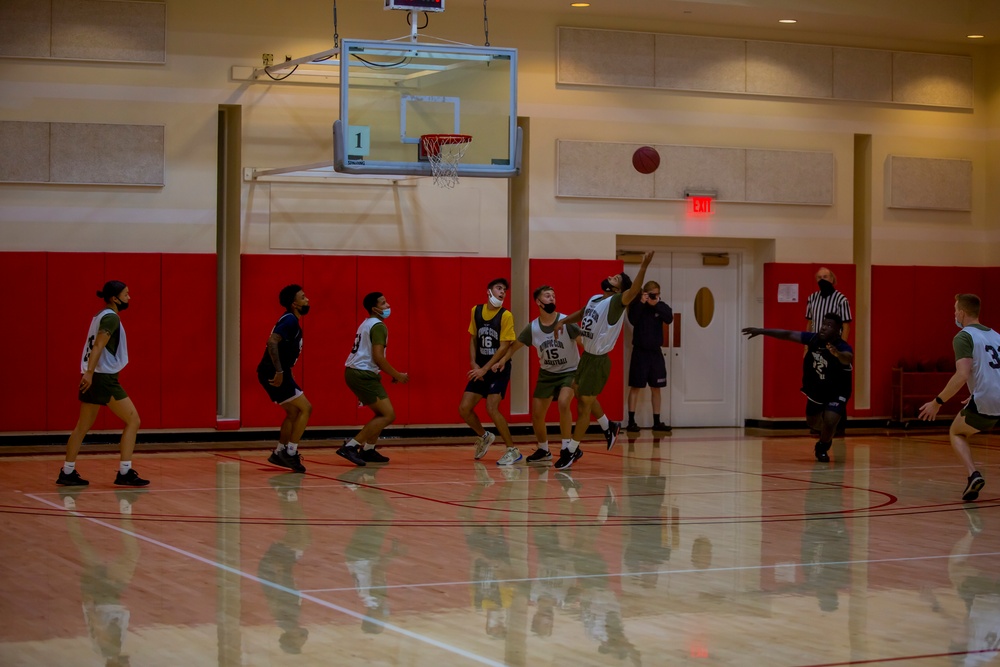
(392, 93)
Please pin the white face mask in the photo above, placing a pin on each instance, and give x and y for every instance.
(495, 302)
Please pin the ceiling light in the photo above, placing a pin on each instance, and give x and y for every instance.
(580, 4)
(787, 21)
(975, 36)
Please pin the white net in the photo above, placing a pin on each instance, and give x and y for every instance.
(444, 152)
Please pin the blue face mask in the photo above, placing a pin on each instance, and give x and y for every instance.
(958, 324)
(386, 312)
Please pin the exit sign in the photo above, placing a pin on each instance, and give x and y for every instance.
(701, 205)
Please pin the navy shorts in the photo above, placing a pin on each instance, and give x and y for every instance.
(814, 408)
(647, 367)
(286, 392)
(492, 383)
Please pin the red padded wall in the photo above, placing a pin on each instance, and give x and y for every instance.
(783, 360)
(141, 378)
(71, 300)
(330, 282)
(23, 403)
(913, 319)
(437, 338)
(188, 387)
(261, 278)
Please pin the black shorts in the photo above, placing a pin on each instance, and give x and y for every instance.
(814, 408)
(492, 383)
(286, 392)
(647, 367)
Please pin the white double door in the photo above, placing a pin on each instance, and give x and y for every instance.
(701, 348)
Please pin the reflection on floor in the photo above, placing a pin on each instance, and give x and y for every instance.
(703, 547)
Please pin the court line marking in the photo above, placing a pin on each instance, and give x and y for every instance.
(284, 589)
(616, 575)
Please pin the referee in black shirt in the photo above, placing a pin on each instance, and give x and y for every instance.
(647, 367)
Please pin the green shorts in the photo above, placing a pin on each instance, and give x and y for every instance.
(976, 420)
(548, 384)
(366, 385)
(104, 388)
(592, 374)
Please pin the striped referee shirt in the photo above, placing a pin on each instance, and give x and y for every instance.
(818, 306)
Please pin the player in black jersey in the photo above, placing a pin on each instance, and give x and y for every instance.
(826, 376)
(274, 372)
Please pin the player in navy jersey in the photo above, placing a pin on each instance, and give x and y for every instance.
(274, 372)
(826, 376)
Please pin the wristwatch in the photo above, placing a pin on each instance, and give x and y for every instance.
(937, 399)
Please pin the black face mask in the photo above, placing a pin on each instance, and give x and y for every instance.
(122, 305)
(304, 309)
(825, 287)
(606, 285)
(549, 307)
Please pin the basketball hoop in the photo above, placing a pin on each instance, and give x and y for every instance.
(445, 151)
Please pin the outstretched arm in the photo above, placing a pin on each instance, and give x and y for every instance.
(963, 369)
(780, 334)
(498, 366)
(640, 278)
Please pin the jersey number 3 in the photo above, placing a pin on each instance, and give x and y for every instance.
(994, 357)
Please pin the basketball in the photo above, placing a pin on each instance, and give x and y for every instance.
(645, 160)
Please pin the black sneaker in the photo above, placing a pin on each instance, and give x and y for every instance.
(660, 427)
(72, 479)
(285, 460)
(351, 454)
(131, 478)
(821, 450)
(976, 483)
(540, 455)
(632, 427)
(373, 456)
(614, 428)
(567, 458)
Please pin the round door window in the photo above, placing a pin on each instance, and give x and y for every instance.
(704, 307)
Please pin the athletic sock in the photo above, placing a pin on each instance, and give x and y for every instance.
(69, 467)
(565, 443)
(124, 467)
(291, 448)
(573, 445)
(631, 417)
(352, 443)
(604, 423)
(544, 445)
(656, 418)
(280, 448)
(369, 446)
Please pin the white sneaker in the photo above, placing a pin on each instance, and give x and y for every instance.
(510, 457)
(483, 443)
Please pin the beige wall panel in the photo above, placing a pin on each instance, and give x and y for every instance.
(109, 30)
(862, 74)
(800, 70)
(930, 183)
(24, 28)
(790, 177)
(374, 219)
(605, 57)
(24, 152)
(700, 63)
(929, 79)
(700, 168)
(598, 169)
(107, 154)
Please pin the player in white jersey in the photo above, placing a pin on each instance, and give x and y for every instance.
(558, 359)
(104, 354)
(977, 364)
(361, 372)
(601, 322)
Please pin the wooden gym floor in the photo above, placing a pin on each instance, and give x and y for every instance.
(704, 547)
